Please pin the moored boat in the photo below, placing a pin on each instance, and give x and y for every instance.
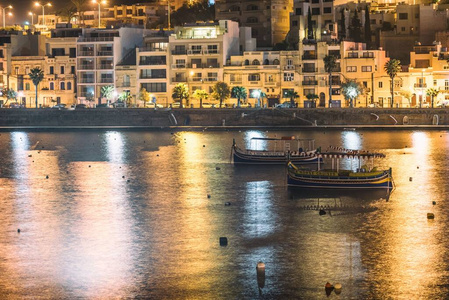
(336, 178)
(280, 154)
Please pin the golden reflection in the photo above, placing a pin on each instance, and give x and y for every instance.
(252, 144)
(114, 146)
(351, 140)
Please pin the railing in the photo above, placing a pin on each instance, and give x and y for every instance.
(420, 85)
(126, 84)
(310, 82)
(270, 83)
(203, 66)
(179, 79)
(236, 81)
(367, 55)
(104, 53)
(289, 67)
(105, 66)
(196, 79)
(151, 49)
(310, 70)
(85, 53)
(85, 67)
(152, 77)
(194, 52)
(214, 51)
(107, 80)
(87, 80)
(179, 52)
(211, 79)
(179, 66)
(309, 56)
(96, 39)
(254, 82)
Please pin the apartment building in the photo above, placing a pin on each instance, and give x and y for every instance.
(147, 15)
(268, 19)
(153, 68)
(98, 52)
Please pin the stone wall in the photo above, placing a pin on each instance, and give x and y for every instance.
(219, 117)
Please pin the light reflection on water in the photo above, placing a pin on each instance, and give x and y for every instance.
(138, 214)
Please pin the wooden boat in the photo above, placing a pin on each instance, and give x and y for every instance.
(280, 154)
(335, 178)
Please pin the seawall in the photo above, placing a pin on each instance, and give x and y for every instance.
(226, 118)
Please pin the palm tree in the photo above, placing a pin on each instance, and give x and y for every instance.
(200, 94)
(10, 95)
(330, 64)
(180, 91)
(351, 90)
(221, 92)
(36, 75)
(432, 93)
(292, 95)
(79, 4)
(107, 92)
(392, 67)
(312, 97)
(240, 93)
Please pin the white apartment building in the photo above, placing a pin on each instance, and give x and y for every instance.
(98, 52)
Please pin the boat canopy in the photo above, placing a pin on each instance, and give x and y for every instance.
(339, 152)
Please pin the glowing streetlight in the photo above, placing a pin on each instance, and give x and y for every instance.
(43, 10)
(9, 14)
(99, 9)
(32, 17)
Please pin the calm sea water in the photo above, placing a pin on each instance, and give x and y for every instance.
(127, 215)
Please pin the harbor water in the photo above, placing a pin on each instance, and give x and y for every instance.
(122, 214)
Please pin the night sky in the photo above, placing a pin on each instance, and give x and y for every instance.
(22, 7)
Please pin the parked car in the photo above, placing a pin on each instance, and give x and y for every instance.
(79, 106)
(208, 105)
(245, 105)
(103, 105)
(154, 105)
(59, 106)
(119, 104)
(176, 105)
(285, 104)
(15, 105)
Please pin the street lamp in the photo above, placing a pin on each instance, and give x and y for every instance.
(10, 14)
(256, 94)
(99, 7)
(43, 10)
(32, 17)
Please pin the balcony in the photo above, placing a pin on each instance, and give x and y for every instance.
(85, 53)
(105, 66)
(211, 79)
(96, 39)
(310, 82)
(254, 82)
(270, 83)
(86, 80)
(309, 70)
(179, 66)
(107, 80)
(104, 53)
(289, 67)
(237, 81)
(309, 56)
(211, 51)
(152, 49)
(152, 77)
(179, 52)
(196, 79)
(203, 66)
(86, 67)
(178, 79)
(194, 52)
(420, 85)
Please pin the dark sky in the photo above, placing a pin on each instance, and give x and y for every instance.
(22, 7)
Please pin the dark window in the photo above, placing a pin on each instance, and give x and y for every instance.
(62, 70)
(52, 70)
(72, 70)
(234, 8)
(69, 85)
(315, 11)
(58, 52)
(150, 74)
(72, 52)
(154, 87)
(153, 60)
(252, 20)
(252, 7)
(52, 86)
(119, 12)
(62, 86)
(327, 10)
(298, 11)
(129, 11)
(403, 16)
(315, 1)
(294, 23)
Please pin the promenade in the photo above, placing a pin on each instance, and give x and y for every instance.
(222, 119)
